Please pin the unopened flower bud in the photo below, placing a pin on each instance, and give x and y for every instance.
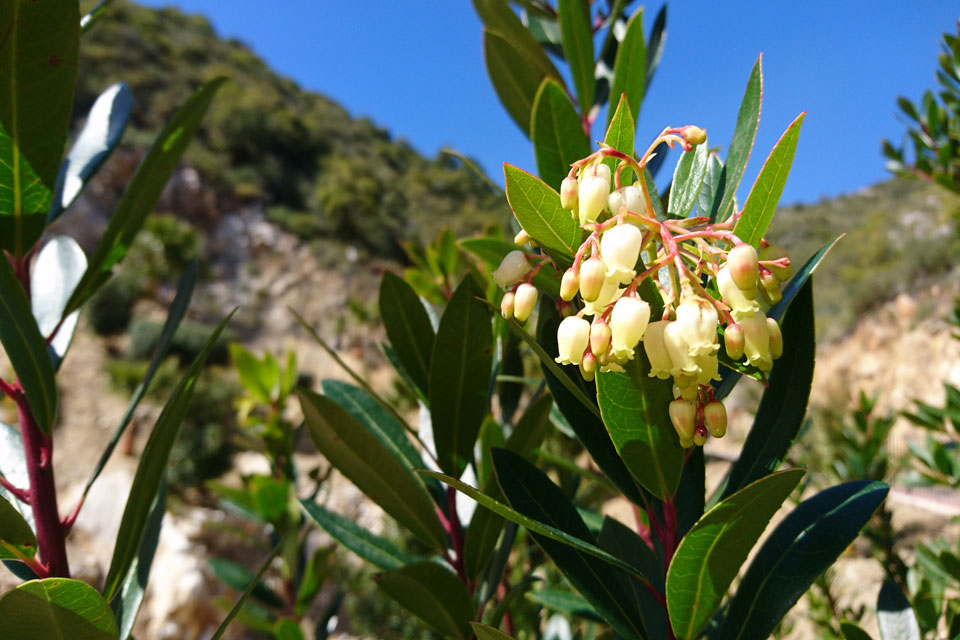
(776, 252)
(744, 266)
(588, 366)
(686, 443)
(513, 267)
(610, 292)
(620, 248)
(776, 338)
(593, 193)
(700, 435)
(592, 275)
(694, 135)
(771, 287)
(628, 321)
(740, 304)
(733, 341)
(715, 417)
(567, 310)
(599, 336)
(757, 341)
(573, 336)
(689, 392)
(525, 301)
(522, 238)
(683, 415)
(568, 193)
(569, 284)
(656, 350)
(506, 305)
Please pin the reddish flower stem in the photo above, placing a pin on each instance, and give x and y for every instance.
(21, 494)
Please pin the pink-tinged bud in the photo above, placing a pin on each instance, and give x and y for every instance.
(744, 265)
(593, 193)
(573, 335)
(568, 193)
(683, 415)
(715, 417)
(592, 274)
(654, 345)
(776, 252)
(525, 301)
(588, 366)
(694, 135)
(776, 338)
(740, 302)
(569, 284)
(686, 443)
(513, 267)
(628, 321)
(733, 341)
(700, 436)
(757, 341)
(771, 287)
(506, 305)
(522, 238)
(620, 248)
(599, 336)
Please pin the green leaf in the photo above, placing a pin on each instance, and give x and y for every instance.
(150, 471)
(798, 551)
(492, 251)
(100, 135)
(56, 608)
(765, 194)
(630, 69)
(486, 632)
(851, 631)
(238, 605)
(576, 30)
(287, 629)
(38, 72)
(408, 328)
(143, 191)
(620, 135)
(800, 278)
(239, 578)
(254, 375)
(534, 497)
(54, 274)
(557, 133)
(565, 602)
(783, 405)
(17, 541)
(634, 409)
(709, 556)
(460, 376)
(376, 550)
(894, 614)
(516, 84)
(712, 182)
(743, 136)
(537, 208)
(657, 40)
(688, 180)
(433, 594)
(26, 349)
(315, 574)
(359, 456)
(126, 604)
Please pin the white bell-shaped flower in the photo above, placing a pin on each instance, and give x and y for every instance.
(630, 197)
(513, 267)
(697, 319)
(653, 343)
(740, 305)
(684, 363)
(573, 336)
(756, 341)
(610, 292)
(524, 301)
(620, 248)
(709, 368)
(593, 193)
(628, 321)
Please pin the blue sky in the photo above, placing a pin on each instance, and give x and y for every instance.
(416, 68)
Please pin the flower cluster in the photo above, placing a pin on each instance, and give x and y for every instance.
(711, 283)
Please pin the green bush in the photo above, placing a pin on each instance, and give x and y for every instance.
(111, 307)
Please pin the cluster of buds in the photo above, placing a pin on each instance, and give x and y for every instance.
(711, 282)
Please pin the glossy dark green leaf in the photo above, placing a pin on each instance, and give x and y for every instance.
(895, 616)
(56, 608)
(765, 194)
(801, 548)
(851, 631)
(656, 41)
(150, 471)
(239, 577)
(688, 180)
(709, 556)
(239, 604)
(38, 65)
(557, 133)
(376, 550)
(620, 135)
(459, 376)
(565, 602)
(783, 405)
(630, 69)
(432, 593)
(359, 456)
(143, 190)
(126, 604)
(53, 276)
(17, 540)
(634, 409)
(26, 349)
(622, 542)
(743, 136)
(100, 135)
(486, 632)
(691, 494)
(712, 183)
(615, 26)
(178, 309)
(576, 30)
(533, 496)
(408, 328)
(537, 208)
(516, 84)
